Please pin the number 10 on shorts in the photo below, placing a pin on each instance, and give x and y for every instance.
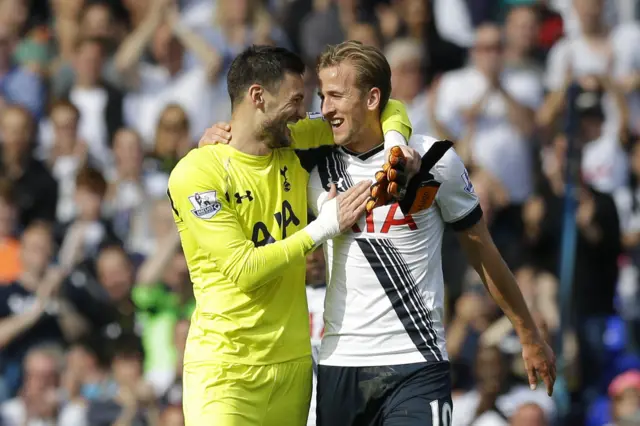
(440, 416)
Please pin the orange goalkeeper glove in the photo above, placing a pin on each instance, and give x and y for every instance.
(390, 182)
(415, 195)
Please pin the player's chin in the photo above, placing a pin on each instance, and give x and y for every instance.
(282, 141)
(341, 139)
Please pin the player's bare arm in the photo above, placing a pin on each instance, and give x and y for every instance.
(486, 260)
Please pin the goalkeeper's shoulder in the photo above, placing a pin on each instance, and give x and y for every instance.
(199, 164)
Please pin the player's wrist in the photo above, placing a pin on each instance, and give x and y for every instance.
(393, 138)
(326, 225)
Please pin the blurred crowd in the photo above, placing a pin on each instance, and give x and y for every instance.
(99, 100)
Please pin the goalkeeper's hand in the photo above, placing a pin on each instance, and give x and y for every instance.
(391, 182)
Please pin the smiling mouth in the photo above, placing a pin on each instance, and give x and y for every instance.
(336, 122)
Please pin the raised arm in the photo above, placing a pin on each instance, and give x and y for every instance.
(203, 213)
(131, 49)
(205, 53)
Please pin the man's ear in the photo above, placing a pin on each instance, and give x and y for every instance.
(256, 95)
(373, 99)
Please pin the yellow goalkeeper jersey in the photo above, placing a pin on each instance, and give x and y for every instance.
(241, 220)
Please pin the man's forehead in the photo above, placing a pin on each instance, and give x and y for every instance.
(343, 74)
(291, 83)
(488, 34)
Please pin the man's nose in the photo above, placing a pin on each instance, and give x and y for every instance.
(327, 108)
(301, 113)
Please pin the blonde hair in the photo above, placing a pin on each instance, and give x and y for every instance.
(372, 68)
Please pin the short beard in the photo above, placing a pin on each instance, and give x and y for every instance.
(274, 133)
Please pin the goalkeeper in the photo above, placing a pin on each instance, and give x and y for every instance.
(241, 213)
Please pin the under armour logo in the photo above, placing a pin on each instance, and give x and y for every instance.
(340, 185)
(285, 184)
(240, 197)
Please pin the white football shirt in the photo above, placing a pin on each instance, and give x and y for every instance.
(385, 291)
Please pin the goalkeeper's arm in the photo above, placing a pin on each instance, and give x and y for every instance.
(218, 231)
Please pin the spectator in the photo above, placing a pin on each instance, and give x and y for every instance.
(20, 85)
(159, 85)
(136, 10)
(100, 104)
(87, 372)
(101, 291)
(31, 310)
(521, 37)
(624, 391)
(494, 399)
(474, 313)
(627, 200)
(11, 266)
(82, 237)
(37, 403)
(172, 141)
(163, 296)
(132, 191)
(14, 15)
(327, 24)
(173, 395)
(598, 50)
(172, 416)
(405, 57)
(66, 15)
(529, 415)
(597, 250)
(96, 23)
(366, 33)
(134, 402)
(415, 19)
(490, 110)
(66, 155)
(604, 164)
(239, 24)
(35, 188)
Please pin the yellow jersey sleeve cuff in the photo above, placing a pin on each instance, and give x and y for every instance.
(395, 117)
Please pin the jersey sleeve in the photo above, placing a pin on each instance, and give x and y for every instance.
(456, 198)
(200, 208)
(394, 117)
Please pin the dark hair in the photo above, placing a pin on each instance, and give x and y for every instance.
(64, 104)
(128, 345)
(92, 180)
(94, 345)
(263, 65)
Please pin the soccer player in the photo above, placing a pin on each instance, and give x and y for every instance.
(241, 212)
(383, 357)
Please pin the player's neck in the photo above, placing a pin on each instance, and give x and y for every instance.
(244, 137)
(370, 137)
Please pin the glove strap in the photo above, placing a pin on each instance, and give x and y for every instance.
(422, 188)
